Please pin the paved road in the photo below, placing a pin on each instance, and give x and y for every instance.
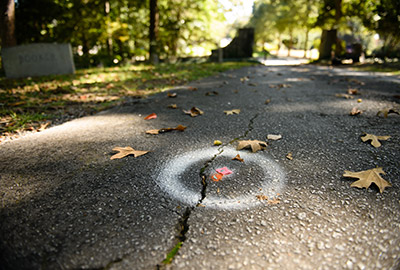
(66, 205)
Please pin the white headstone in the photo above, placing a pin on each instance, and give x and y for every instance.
(38, 59)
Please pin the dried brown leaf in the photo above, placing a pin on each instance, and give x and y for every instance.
(235, 111)
(366, 178)
(193, 112)
(173, 106)
(346, 96)
(274, 137)
(355, 111)
(352, 91)
(237, 157)
(163, 130)
(374, 139)
(387, 111)
(212, 93)
(152, 131)
(125, 151)
(262, 197)
(255, 145)
(289, 156)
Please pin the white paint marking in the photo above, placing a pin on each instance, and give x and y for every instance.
(273, 183)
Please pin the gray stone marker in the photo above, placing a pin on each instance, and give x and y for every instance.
(38, 59)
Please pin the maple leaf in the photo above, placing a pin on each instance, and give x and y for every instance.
(367, 178)
(163, 130)
(237, 157)
(193, 112)
(125, 151)
(255, 145)
(387, 111)
(374, 139)
(235, 111)
(151, 116)
(274, 137)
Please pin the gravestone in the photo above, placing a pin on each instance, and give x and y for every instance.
(240, 47)
(37, 59)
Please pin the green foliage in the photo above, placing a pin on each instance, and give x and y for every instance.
(172, 253)
(279, 19)
(105, 31)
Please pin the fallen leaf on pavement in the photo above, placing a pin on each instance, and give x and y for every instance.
(280, 85)
(163, 130)
(359, 100)
(237, 157)
(355, 111)
(274, 201)
(193, 112)
(151, 116)
(244, 79)
(352, 91)
(346, 96)
(374, 139)
(212, 93)
(267, 101)
(367, 178)
(191, 88)
(173, 106)
(153, 131)
(262, 197)
(43, 126)
(387, 111)
(274, 137)
(252, 84)
(289, 156)
(172, 95)
(125, 151)
(217, 142)
(255, 145)
(235, 111)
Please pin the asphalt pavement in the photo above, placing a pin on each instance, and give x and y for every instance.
(66, 205)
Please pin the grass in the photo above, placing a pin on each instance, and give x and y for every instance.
(32, 103)
(170, 256)
(393, 68)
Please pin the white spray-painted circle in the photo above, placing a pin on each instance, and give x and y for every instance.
(168, 179)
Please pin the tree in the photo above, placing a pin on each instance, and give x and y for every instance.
(153, 31)
(7, 28)
(329, 20)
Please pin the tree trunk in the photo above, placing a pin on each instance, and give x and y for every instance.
(306, 44)
(328, 38)
(153, 32)
(290, 43)
(7, 24)
(109, 36)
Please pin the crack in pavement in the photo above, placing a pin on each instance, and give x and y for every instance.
(183, 226)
